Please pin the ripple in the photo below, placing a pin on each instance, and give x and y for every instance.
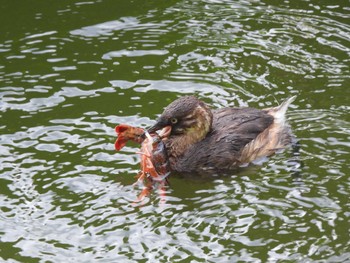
(66, 195)
(108, 28)
(133, 53)
(48, 147)
(40, 35)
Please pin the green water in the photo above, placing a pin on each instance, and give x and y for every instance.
(71, 71)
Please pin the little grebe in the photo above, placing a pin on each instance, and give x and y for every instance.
(202, 139)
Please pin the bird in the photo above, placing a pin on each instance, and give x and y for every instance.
(199, 139)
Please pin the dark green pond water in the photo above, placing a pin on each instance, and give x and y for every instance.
(71, 71)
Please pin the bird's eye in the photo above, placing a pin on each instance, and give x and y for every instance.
(173, 120)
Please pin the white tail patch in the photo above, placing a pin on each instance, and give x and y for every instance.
(279, 112)
(273, 138)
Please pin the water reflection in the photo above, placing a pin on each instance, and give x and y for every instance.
(72, 71)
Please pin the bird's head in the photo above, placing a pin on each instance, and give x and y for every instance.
(187, 117)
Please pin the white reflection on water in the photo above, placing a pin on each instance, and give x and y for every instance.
(66, 195)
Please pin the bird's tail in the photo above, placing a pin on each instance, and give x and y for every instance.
(279, 112)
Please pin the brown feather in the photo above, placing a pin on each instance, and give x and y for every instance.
(222, 139)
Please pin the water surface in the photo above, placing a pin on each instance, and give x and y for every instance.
(71, 71)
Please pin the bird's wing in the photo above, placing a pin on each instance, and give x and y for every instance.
(233, 128)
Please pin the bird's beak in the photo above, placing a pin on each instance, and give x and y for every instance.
(164, 127)
(165, 132)
(156, 127)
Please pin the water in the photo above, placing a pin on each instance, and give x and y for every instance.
(71, 71)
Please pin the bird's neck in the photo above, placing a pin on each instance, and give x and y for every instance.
(178, 144)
